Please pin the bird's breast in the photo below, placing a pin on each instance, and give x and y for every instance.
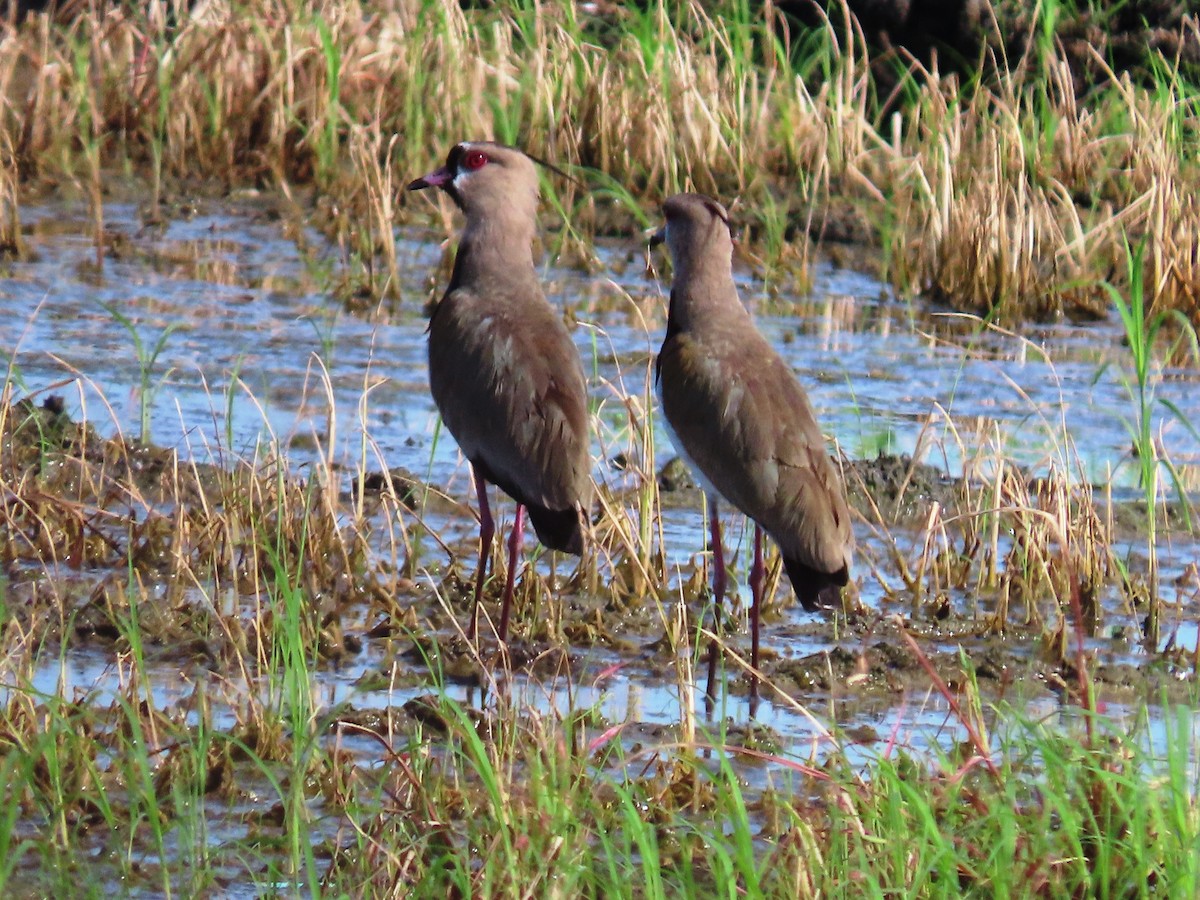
(674, 385)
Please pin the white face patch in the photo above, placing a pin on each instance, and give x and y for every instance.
(463, 175)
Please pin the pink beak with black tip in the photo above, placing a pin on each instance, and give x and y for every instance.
(436, 178)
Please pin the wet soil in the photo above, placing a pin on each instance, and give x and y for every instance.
(202, 549)
(380, 549)
(82, 487)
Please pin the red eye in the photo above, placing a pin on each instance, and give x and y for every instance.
(476, 159)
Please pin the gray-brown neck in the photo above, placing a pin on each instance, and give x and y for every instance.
(496, 245)
(702, 288)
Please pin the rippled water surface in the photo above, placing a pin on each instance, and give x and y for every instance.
(246, 305)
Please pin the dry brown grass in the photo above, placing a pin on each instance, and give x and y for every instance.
(1013, 195)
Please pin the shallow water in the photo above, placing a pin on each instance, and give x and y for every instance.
(256, 331)
(261, 323)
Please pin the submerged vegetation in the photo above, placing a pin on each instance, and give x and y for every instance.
(178, 625)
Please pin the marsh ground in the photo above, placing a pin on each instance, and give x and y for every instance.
(237, 547)
(272, 412)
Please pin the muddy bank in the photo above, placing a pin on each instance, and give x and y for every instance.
(874, 663)
(91, 525)
(900, 491)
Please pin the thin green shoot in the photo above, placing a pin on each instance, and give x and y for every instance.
(146, 357)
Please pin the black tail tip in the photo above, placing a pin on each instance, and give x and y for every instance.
(827, 598)
(816, 591)
(558, 529)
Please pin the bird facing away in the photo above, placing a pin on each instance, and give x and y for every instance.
(504, 373)
(741, 420)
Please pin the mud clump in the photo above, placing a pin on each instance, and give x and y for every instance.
(399, 482)
(901, 488)
(30, 432)
(69, 459)
(676, 476)
(92, 528)
(885, 667)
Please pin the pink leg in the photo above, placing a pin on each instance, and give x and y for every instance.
(757, 573)
(487, 529)
(718, 553)
(516, 541)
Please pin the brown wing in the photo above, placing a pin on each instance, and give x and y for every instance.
(511, 391)
(747, 425)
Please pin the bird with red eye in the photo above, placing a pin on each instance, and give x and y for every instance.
(503, 370)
